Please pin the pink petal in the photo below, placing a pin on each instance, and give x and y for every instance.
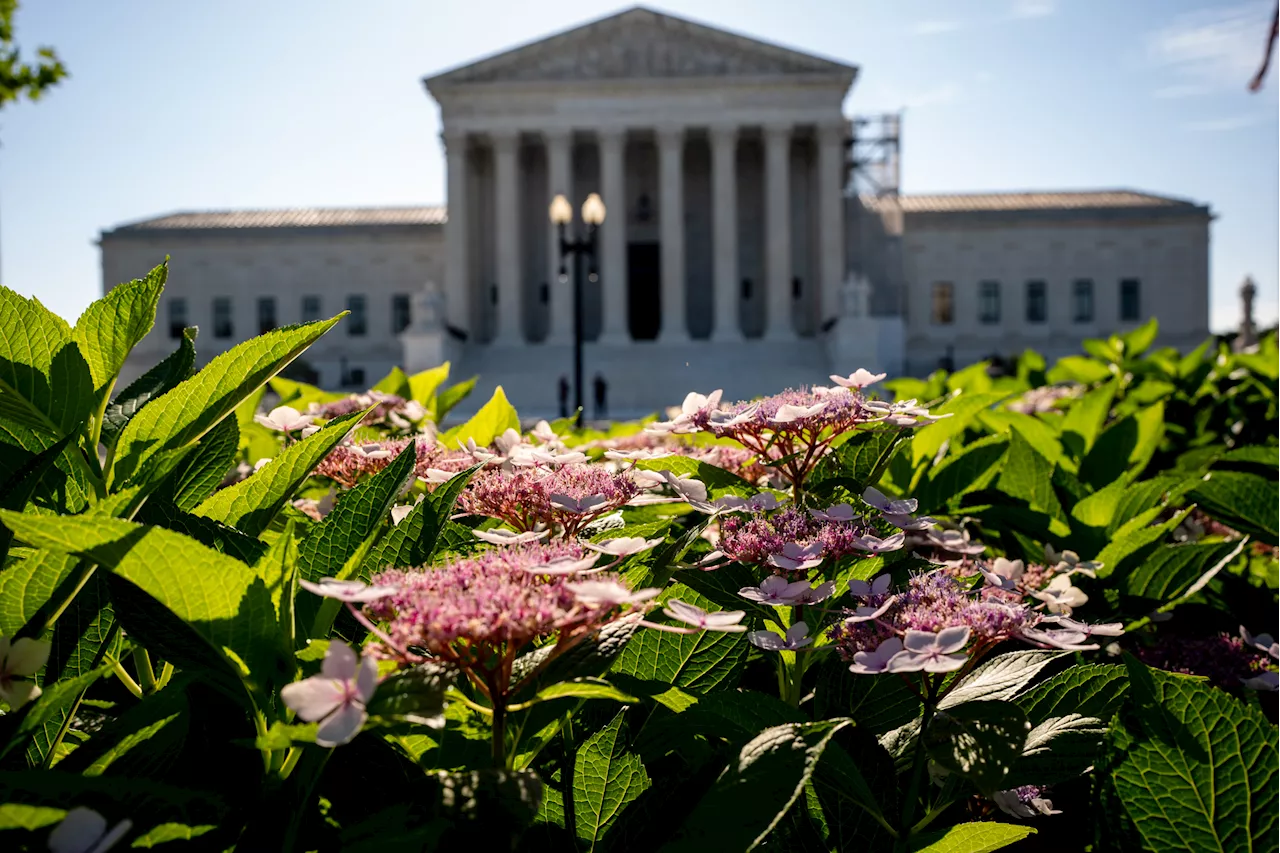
(313, 698)
(342, 725)
(339, 662)
(367, 679)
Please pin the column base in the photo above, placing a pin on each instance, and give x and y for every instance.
(558, 340)
(673, 338)
(734, 336)
(613, 338)
(779, 336)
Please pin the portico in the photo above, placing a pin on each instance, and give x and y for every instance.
(720, 160)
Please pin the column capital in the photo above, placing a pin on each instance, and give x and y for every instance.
(611, 135)
(670, 135)
(833, 131)
(778, 131)
(724, 134)
(454, 138)
(504, 139)
(557, 135)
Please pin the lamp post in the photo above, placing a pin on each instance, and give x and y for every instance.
(561, 213)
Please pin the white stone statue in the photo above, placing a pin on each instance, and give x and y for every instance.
(855, 296)
(428, 316)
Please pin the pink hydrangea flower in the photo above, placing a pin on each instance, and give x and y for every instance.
(337, 697)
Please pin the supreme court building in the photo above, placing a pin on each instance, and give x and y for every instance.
(735, 252)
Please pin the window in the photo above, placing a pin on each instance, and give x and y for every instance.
(943, 293)
(356, 377)
(310, 308)
(1082, 300)
(266, 314)
(1036, 308)
(400, 315)
(989, 302)
(357, 324)
(1130, 300)
(177, 317)
(222, 327)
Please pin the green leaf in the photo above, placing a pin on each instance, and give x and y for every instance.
(1027, 476)
(734, 716)
(1077, 368)
(1039, 433)
(200, 471)
(424, 384)
(978, 740)
(109, 328)
(21, 485)
(413, 541)
(278, 569)
(27, 584)
(494, 418)
(164, 377)
(1084, 419)
(585, 688)
(861, 460)
(396, 382)
(1136, 342)
(55, 699)
(44, 380)
(145, 731)
(1092, 689)
(758, 789)
(1171, 570)
(1124, 448)
(65, 488)
(300, 395)
(355, 517)
(212, 534)
(702, 662)
(1000, 677)
(251, 504)
(187, 412)
(448, 398)
(982, 837)
(221, 599)
(1188, 768)
(414, 695)
(606, 777)
(588, 659)
(972, 469)
(1060, 748)
(1246, 502)
(18, 816)
(963, 410)
(1134, 540)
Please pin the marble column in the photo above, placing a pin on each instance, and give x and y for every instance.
(777, 205)
(613, 237)
(559, 182)
(507, 238)
(457, 276)
(831, 259)
(671, 223)
(724, 237)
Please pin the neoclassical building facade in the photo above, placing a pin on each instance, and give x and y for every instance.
(734, 252)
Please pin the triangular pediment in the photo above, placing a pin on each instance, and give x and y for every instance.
(640, 44)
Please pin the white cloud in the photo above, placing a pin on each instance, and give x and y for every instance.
(1033, 8)
(933, 28)
(1214, 48)
(1182, 90)
(1223, 125)
(945, 94)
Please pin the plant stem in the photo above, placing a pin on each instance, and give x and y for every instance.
(146, 674)
(917, 771)
(499, 723)
(290, 761)
(125, 678)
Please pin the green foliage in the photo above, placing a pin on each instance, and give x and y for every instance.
(1188, 768)
(168, 587)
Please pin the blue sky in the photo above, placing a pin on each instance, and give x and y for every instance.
(240, 103)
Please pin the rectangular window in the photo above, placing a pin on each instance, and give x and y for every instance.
(266, 314)
(943, 303)
(1130, 300)
(1036, 308)
(310, 308)
(989, 302)
(177, 317)
(400, 315)
(222, 327)
(1082, 296)
(357, 323)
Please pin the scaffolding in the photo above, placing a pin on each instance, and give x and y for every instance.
(875, 155)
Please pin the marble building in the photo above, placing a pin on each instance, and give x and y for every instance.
(734, 252)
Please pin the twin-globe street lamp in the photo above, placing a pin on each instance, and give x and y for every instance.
(561, 213)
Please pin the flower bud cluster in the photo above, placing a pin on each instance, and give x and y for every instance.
(467, 610)
(791, 541)
(565, 497)
(390, 409)
(349, 463)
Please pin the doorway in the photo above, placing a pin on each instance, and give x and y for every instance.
(644, 290)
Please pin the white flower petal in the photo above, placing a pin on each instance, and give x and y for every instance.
(313, 698)
(766, 640)
(79, 831)
(340, 662)
(27, 656)
(341, 726)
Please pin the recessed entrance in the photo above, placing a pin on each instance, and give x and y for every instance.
(644, 290)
